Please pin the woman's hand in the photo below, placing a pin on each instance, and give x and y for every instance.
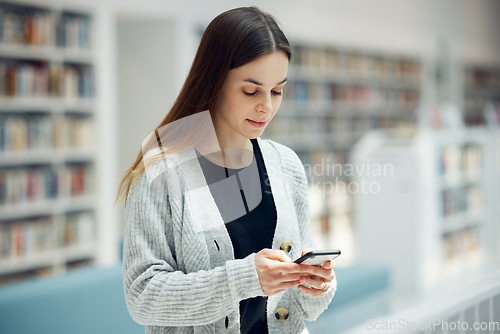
(319, 283)
(277, 272)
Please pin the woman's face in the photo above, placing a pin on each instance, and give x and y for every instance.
(250, 98)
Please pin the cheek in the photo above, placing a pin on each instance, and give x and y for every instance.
(276, 105)
(235, 107)
(243, 106)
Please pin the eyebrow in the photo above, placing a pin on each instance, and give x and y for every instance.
(255, 82)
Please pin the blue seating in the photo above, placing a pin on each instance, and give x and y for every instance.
(91, 300)
(83, 301)
(362, 293)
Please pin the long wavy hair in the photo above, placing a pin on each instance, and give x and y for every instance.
(234, 38)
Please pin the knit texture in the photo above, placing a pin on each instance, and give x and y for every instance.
(180, 275)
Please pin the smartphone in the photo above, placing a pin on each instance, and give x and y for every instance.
(318, 257)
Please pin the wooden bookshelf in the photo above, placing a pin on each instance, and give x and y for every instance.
(48, 209)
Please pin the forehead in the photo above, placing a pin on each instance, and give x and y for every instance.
(268, 69)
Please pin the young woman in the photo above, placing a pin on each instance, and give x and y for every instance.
(215, 214)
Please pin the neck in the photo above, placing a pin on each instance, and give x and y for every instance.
(234, 150)
(235, 156)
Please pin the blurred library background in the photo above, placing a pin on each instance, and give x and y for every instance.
(392, 106)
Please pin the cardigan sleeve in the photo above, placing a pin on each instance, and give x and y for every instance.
(157, 293)
(311, 307)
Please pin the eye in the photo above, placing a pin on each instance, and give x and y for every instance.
(277, 93)
(249, 94)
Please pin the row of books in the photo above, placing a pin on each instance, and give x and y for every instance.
(330, 200)
(357, 63)
(78, 229)
(475, 103)
(43, 28)
(474, 119)
(466, 199)
(350, 96)
(342, 129)
(23, 27)
(326, 163)
(461, 243)
(41, 79)
(26, 238)
(73, 31)
(482, 79)
(481, 87)
(39, 183)
(32, 132)
(322, 163)
(461, 162)
(34, 272)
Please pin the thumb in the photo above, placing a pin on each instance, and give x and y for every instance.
(305, 251)
(274, 254)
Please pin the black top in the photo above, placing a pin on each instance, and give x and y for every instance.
(250, 220)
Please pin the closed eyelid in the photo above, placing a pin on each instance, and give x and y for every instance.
(249, 93)
(280, 87)
(253, 90)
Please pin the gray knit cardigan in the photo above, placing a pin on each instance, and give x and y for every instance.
(180, 275)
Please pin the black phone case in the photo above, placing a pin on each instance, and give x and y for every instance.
(334, 252)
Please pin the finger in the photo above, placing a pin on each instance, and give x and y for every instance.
(327, 264)
(315, 282)
(312, 292)
(316, 270)
(305, 251)
(281, 277)
(327, 278)
(306, 270)
(292, 268)
(275, 254)
(323, 279)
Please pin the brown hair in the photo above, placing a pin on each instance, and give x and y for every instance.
(232, 39)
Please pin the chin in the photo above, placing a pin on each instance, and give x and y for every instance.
(255, 134)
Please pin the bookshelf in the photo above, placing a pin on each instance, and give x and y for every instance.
(432, 216)
(333, 96)
(493, 166)
(48, 157)
(481, 85)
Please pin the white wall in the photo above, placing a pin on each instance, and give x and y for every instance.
(145, 86)
(154, 56)
(407, 26)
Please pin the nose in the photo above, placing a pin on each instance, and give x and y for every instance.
(266, 104)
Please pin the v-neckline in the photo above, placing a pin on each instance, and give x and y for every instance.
(205, 213)
(203, 157)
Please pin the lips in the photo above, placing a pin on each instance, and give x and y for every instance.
(257, 123)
